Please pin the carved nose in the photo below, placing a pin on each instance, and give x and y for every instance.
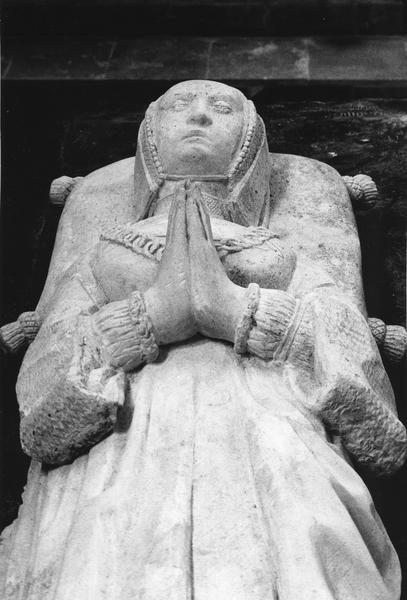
(200, 118)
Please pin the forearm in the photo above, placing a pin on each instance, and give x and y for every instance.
(255, 320)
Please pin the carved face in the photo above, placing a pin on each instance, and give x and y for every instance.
(199, 128)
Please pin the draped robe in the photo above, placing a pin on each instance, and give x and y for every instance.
(221, 478)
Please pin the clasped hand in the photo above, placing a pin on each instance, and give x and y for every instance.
(191, 292)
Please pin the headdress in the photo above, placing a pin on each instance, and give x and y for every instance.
(245, 193)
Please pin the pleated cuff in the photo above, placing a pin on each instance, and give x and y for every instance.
(271, 321)
(126, 333)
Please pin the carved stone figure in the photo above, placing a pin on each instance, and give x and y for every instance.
(204, 379)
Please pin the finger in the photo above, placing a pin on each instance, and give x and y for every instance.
(177, 246)
(180, 218)
(166, 258)
(174, 265)
(210, 248)
(206, 221)
(179, 193)
(196, 232)
(202, 256)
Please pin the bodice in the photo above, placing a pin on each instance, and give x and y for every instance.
(127, 256)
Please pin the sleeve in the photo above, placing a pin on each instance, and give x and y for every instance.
(354, 394)
(326, 334)
(73, 377)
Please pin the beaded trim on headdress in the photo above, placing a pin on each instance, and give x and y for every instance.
(152, 147)
(248, 149)
(150, 151)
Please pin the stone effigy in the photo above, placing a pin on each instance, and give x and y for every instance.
(204, 379)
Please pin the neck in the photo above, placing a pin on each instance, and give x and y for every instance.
(214, 194)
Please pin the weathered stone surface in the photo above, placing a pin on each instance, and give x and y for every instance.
(212, 433)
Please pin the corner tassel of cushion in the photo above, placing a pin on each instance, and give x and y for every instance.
(20, 333)
(391, 339)
(362, 191)
(61, 188)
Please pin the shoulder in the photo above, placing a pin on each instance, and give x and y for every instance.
(310, 206)
(109, 175)
(302, 166)
(312, 191)
(111, 187)
(309, 177)
(105, 196)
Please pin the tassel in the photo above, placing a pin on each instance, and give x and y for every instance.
(362, 191)
(61, 188)
(20, 333)
(391, 339)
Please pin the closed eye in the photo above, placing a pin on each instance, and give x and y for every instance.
(222, 106)
(180, 104)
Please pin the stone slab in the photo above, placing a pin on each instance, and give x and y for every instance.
(259, 58)
(358, 59)
(341, 61)
(58, 59)
(163, 59)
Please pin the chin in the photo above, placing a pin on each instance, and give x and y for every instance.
(193, 161)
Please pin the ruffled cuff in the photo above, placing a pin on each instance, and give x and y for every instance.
(268, 325)
(124, 332)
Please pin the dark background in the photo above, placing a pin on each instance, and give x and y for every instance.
(68, 110)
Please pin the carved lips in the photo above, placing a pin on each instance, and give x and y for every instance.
(196, 133)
